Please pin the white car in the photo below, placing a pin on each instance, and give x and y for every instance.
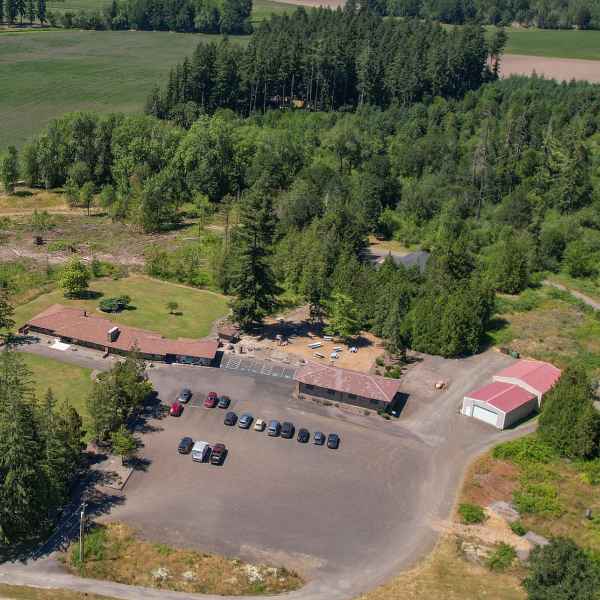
(200, 451)
(259, 425)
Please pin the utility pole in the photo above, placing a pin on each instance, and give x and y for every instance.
(81, 530)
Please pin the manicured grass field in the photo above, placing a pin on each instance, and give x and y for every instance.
(45, 74)
(197, 308)
(66, 380)
(554, 43)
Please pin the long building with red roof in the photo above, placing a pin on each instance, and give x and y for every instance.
(78, 326)
(334, 384)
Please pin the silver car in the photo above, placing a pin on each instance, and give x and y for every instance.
(245, 421)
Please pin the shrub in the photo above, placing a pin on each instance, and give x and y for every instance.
(525, 451)
(59, 245)
(94, 546)
(471, 513)
(114, 304)
(502, 558)
(518, 528)
(379, 361)
(538, 498)
(590, 471)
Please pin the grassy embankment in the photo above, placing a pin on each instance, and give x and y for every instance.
(19, 592)
(113, 552)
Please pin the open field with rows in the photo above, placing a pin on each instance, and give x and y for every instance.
(46, 74)
(554, 43)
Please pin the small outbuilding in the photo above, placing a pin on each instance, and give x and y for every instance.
(515, 393)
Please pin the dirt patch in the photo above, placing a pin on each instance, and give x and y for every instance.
(296, 333)
(561, 69)
(489, 480)
(115, 553)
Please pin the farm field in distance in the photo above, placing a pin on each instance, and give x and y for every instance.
(46, 74)
(554, 43)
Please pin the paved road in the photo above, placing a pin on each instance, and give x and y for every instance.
(348, 519)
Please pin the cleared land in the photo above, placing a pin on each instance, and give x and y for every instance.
(561, 69)
(45, 74)
(197, 309)
(66, 380)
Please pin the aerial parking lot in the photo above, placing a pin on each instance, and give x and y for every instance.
(375, 502)
(308, 507)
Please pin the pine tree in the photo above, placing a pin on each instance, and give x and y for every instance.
(23, 494)
(9, 169)
(252, 280)
(6, 311)
(41, 11)
(31, 10)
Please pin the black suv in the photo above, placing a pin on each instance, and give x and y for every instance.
(333, 441)
(303, 435)
(287, 430)
(224, 402)
(185, 445)
(230, 418)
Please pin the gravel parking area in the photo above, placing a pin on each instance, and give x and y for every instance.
(274, 499)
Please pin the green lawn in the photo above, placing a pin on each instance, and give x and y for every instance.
(46, 74)
(554, 43)
(65, 380)
(198, 308)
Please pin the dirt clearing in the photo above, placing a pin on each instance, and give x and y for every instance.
(561, 69)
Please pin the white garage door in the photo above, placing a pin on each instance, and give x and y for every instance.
(485, 415)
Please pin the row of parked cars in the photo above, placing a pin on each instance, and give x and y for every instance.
(285, 429)
(203, 451)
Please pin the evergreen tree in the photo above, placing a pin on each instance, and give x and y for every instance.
(74, 278)
(252, 280)
(569, 422)
(6, 311)
(23, 494)
(9, 169)
(343, 316)
(42, 15)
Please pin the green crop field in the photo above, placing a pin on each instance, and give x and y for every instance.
(197, 309)
(44, 74)
(554, 44)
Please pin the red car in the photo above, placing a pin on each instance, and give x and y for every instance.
(176, 409)
(211, 400)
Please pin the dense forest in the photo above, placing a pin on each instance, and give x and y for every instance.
(327, 60)
(546, 14)
(206, 16)
(499, 185)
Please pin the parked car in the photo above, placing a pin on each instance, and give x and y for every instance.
(287, 430)
(259, 425)
(211, 400)
(224, 402)
(217, 456)
(184, 395)
(245, 421)
(230, 418)
(319, 438)
(200, 451)
(185, 445)
(333, 441)
(303, 436)
(274, 428)
(176, 409)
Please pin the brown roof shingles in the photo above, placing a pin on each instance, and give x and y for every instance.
(77, 324)
(350, 382)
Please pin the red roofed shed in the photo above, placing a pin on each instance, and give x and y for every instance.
(514, 394)
(344, 385)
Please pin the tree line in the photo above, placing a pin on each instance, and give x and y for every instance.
(31, 10)
(327, 60)
(206, 16)
(545, 14)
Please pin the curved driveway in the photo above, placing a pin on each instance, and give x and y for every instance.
(378, 499)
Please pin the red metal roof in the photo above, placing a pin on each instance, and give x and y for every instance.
(77, 324)
(540, 376)
(504, 396)
(350, 382)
